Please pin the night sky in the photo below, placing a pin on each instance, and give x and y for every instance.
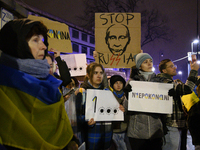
(182, 15)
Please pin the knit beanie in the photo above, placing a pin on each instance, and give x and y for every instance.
(116, 78)
(140, 58)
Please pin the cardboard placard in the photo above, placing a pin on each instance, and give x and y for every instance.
(58, 34)
(150, 97)
(117, 39)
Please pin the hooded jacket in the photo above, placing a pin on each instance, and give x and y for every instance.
(32, 111)
(13, 38)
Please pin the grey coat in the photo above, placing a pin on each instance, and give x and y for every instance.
(145, 125)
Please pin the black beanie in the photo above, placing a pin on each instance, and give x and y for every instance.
(116, 78)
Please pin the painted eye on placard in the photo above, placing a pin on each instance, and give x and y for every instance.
(101, 110)
(108, 110)
(115, 111)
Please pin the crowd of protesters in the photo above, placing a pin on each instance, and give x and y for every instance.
(43, 110)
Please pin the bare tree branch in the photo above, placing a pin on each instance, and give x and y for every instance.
(154, 23)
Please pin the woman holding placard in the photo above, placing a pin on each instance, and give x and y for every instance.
(97, 135)
(145, 130)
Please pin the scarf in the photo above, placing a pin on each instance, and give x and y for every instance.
(119, 94)
(34, 67)
(145, 74)
(87, 85)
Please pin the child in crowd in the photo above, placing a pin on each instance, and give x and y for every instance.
(117, 84)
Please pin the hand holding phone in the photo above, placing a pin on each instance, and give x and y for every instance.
(69, 92)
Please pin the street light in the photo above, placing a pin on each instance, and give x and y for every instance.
(153, 69)
(192, 45)
(180, 73)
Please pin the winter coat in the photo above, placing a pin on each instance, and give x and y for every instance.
(145, 125)
(32, 110)
(99, 135)
(178, 118)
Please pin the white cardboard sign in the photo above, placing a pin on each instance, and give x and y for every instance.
(150, 97)
(102, 106)
(76, 64)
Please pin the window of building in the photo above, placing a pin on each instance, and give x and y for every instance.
(84, 49)
(92, 41)
(91, 51)
(75, 34)
(75, 47)
(84, 37)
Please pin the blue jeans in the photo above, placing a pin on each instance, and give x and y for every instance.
(119, 140)
(172, 139)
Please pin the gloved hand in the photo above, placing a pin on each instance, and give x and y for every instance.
(182, 89)
(172, 92)
(128, 88)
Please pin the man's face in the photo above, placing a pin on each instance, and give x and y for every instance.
(37, 46)
(170, 69)
(117, 40)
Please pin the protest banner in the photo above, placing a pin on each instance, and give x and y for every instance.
(150, 97)
(76, 63)
(102, 106)
(117, 39)
(58, 34)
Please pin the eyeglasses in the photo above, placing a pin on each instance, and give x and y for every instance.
(172, 66)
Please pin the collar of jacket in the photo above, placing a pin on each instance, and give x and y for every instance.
(164, 75)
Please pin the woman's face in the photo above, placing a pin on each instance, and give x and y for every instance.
(37, 46)
(97, 77)
(147, 65)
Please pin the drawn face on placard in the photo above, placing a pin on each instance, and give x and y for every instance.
(117, 39)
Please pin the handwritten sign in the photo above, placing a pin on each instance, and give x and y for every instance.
(6, 16)
(102, 106)
(118, 39)
(76, 63)
(150, 97)
(58, 34)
